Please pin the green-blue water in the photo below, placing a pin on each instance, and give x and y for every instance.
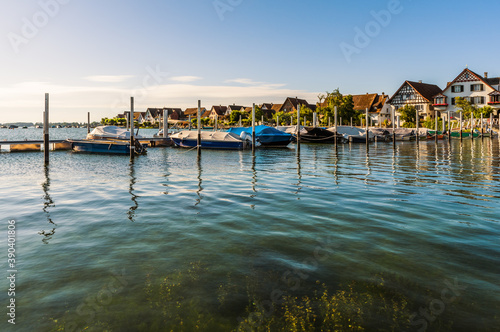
(171, 239)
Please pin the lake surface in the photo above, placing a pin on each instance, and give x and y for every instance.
(403, 239)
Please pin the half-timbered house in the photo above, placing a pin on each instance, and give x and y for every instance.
(478, 90)
(417, 94)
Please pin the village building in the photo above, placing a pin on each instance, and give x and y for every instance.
(193, 112)
(234, 107)
(173, 113)
(375, 104)
(217, 112)
(291, 105)
(417, 94)
(479, 90)
(153, 115)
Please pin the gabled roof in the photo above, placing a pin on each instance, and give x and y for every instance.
(220, 110)
(235, 107)
(297, 101)
(248, 109)
(462, 78)
(380, 100)
(267, 105)
(194, 111)
(137, 115)
(206, 114)
(154, 111)
(362, 102)
(427, 91)
(276, 107)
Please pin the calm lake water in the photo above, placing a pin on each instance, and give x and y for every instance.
(403, 240)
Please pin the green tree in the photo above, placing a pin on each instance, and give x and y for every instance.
(467, 108)
(408, 114)
(235, 116)
(284, 117)
(344, 104)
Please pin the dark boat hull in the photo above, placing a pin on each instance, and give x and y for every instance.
(318, 135)
(102, 147)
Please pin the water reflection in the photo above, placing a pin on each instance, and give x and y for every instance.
(299, 173)
(48, 202)
(133, 179)
(200, 181)
(254, 174)
(167, 173)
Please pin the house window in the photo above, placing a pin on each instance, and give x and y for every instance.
(477, 87)
(419, 107)
(440, 101)
(457, 88)
(453, 101)
(495, 99)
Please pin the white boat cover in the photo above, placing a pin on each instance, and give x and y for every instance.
(347, 131)
(207, 135)
(291, 129)
(110, 132)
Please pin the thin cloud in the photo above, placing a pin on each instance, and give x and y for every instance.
(108, 78)
(185, 79)
(250, 82)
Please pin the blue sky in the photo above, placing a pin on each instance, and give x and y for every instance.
(93, 55)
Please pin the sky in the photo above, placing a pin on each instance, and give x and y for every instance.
(92, 56)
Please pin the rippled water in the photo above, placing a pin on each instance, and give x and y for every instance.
(106, 243)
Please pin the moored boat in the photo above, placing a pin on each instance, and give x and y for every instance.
(106, 146)
(318, 135)
(110, 132)
(211, 140)
(265, 135)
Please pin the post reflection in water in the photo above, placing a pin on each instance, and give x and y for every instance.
(254, 175)
(336, 166)
(299, 173)
(48, 202)
(135, 204)
(368, 168)
(200, 181)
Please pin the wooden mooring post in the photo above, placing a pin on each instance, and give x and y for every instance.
(298, 126)
(46, 130)
(199, 127)
(132, 143)
(88, 122)
(253, 127)
(336, 125)
(367, 132)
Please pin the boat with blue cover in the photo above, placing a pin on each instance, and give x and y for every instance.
(266, 136)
